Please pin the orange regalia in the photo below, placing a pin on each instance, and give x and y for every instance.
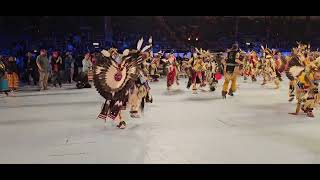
(12, 74)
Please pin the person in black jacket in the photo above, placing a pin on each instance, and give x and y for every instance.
(56, 64)
(31, 69)
(78, 64)
(231, 70)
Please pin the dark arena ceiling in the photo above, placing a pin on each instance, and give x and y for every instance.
(25, 23)
(176, 30)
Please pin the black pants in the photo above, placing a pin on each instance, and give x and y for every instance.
(56, 78)
(33, 75)
(278, 74)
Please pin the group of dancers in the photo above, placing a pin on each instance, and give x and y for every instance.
(123, 78)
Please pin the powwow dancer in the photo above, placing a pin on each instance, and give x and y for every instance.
(172, 72)
(113, 80)
(140, 92)
(307, 92)
(212, 70)
(250, 65)
(269, 67)
(196, 69)
(154, 67)
(294, 65)
(231, 71)
(280, 65)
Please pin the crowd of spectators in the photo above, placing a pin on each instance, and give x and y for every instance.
(40, 68)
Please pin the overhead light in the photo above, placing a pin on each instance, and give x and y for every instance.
(189, 39)
(95, 44)
(248, 44)
(196, 39)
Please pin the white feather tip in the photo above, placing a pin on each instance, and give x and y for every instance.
(145, 48)
(139, 44)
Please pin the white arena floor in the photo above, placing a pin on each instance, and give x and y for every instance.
(60, 126)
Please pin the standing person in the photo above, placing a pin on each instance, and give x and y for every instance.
(231, 71)
(21, 68)
(69, 67)
(43, 67)
(31, 68)
(49, 69)
(72, 70)
(78, 63)
(56, 63)
(12, 74)
(87, 65)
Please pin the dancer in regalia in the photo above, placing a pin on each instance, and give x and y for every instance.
(139, 93)
(231, 71)
(114, 78)
(306, 87)
(212, 70)
(172, 71)
(137, 96)
(250, 65)
(154, 74)
(295, 63)
(269, 71)
(196, 69)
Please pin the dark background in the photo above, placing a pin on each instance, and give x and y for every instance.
(169, 32)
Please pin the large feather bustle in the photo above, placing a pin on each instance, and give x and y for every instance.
(101, 68)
